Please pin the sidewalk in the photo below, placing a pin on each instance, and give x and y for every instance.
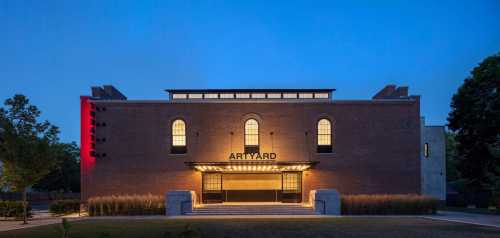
(40, 221)
(468, 218)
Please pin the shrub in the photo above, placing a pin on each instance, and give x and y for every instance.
(117, 205)
(13, 209)
(383, 204)
(60, 207)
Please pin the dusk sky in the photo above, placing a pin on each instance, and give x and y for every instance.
(54, 51)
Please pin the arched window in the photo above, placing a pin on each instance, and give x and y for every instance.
(178, 137)
(324, 136)
(251, 136)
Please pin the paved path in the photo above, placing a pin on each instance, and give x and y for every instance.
(469, 218)
(14, 225)
(41, 217)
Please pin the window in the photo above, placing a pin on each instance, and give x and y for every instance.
(243, 95)
(195, 96)
(321, 95)
(226, 95)
(426, 150)
(274, 95)
(212, 182)
(251, 136)
(305, 95)
(258, 95)
(211, 95)
(178, 137)
(324, 136)
(291, 182)
(179, 96)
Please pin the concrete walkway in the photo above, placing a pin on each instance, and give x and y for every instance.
(7, 225)
(468, 218)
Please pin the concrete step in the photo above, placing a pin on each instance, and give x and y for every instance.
(274, 209)
(250, 213)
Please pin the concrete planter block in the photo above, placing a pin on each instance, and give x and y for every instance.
(325, 201)
(178, 202)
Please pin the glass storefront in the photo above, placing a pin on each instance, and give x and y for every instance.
(252, 187)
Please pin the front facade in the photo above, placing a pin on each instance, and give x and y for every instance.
(253, 145)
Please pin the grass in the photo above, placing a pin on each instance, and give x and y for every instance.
(262, 228)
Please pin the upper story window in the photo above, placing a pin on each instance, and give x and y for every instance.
(251, 136)
(214, 95)
(305, 95)
(324, 144)
(178, 137)
(243, 95)
(226, 95)
(258, 95)
(321, 95)
(211, 95)
(426, 150)
(274, 95)
(195, 96)
(179, 96)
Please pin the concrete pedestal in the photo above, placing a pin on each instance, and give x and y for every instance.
(178, 202)
(325, 201)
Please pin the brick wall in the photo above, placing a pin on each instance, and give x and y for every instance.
(376, 144)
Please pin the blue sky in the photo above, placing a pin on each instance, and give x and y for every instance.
(53, 51)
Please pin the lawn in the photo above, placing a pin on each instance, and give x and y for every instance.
(261, 228)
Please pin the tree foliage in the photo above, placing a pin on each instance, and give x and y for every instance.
(66, 175)
(475, 119)
(452, 172)
(26, 150)
(27, 146)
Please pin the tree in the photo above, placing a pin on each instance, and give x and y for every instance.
(452, 172)
(27, 148)
(66, 175)
(475, 118)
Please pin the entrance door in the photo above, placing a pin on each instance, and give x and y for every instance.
(292, 187)
(211, 188)
(251, 187)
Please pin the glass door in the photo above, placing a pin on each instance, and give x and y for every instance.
(212, 188)
(292, 187)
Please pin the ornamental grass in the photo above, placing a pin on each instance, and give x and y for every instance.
(126, 205)
(388, 204)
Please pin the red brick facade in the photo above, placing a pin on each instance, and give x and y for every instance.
(376, 143)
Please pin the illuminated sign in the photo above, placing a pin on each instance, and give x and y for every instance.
(252, 156)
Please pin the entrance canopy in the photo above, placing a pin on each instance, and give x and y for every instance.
(252, 166)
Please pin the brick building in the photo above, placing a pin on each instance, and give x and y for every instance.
(258, 145)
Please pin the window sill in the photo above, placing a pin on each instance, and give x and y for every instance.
(326, 153)
(178, 154)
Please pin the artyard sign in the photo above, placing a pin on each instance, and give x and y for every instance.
(252, 156)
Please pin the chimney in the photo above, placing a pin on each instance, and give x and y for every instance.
(107, 92)
(386, 92)
(113, 93)
(401, 92)
(391, 92)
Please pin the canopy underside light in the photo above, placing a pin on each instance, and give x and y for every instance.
(250, 167)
